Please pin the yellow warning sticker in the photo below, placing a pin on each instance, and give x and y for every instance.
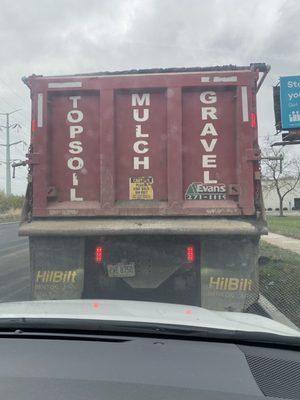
(141, 188)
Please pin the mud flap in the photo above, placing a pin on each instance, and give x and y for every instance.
(57, 267)
(229, 274)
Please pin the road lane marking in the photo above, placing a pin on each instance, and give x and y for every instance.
(14, 254)
(15, 246)
(18, 291)
(6, 273)
(13, 285)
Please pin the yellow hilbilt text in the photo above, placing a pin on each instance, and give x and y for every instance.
(222, 283)
(56, 276)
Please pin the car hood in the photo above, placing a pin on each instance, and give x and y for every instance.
(144, 312)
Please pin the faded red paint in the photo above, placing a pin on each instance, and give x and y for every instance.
(58, 131)
(125, 137)
(225, 148)
(173, 144)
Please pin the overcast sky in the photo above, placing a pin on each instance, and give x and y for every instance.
(64, 36)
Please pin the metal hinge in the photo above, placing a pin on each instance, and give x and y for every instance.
(33, 158)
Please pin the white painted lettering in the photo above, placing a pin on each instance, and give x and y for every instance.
(137, 117)
(209, 147)
(73, 195)
(137, 162)
(136, 100)
(75, 116)
(138, 132)
(207, 178)
(209, 112)
(137, 147)
(75, 130)
(208, 97)
(140, 115)
(75, 179)
(74, 100)
(209, 129)
(75, 163)
(209, 161)
(75, 147)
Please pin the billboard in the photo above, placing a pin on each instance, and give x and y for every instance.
(290, 102)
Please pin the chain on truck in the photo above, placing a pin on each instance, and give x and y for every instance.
(146, 185)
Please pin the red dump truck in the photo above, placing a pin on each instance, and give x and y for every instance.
(145, 184)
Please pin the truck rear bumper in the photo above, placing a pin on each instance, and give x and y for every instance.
(134, 226)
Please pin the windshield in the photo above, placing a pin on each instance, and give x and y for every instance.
(147, 149)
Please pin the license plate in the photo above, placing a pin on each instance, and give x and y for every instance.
(121, 270)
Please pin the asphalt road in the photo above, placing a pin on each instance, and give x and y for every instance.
(14, 264)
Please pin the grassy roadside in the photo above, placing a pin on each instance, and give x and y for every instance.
(11, 216)
(279, 273)
(287, 226)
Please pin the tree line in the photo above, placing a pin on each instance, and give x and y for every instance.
(11, 202)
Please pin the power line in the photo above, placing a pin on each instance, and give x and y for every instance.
(24, 116)
(12, 91)
(20, 153)
(25, 119)
(7, 146)
(6, 102)
(22, 133)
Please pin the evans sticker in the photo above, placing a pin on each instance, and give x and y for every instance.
(204, 191)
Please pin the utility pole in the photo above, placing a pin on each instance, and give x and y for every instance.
(7, 146)
(8, 178)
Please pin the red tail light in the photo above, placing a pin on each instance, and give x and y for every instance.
(98, 254)
(190, 254)
(252, 120)
(33, 125)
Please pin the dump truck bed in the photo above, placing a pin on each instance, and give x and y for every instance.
(177, 142)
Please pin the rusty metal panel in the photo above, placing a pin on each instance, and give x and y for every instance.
(141, 146)
(74, 148)
(209, 144)
(173, 144)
